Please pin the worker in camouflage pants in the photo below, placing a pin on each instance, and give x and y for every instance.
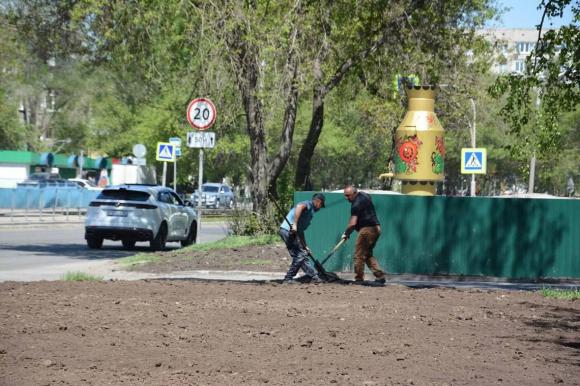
(292, 232)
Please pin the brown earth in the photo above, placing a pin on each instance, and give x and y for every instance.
(264, 258)
(222, 333)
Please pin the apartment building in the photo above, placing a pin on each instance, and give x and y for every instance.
(512, 46)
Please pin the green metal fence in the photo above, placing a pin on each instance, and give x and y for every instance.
(518, 238)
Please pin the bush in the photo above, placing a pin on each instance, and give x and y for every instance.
(249, 223)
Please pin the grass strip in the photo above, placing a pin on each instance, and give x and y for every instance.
(80, 276)
(140, 258)
(225, 243)
(568, 294)
(234, 242)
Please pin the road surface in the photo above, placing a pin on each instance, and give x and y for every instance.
(48, 251)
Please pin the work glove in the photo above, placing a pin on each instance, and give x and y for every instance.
(344, 236)
(308, 250)
(293, 230)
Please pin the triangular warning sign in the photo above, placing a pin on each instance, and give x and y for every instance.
(165, 152)
(473, 162)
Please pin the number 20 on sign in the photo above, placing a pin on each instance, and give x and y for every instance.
(201, 113)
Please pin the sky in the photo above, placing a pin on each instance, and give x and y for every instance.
(524, 14)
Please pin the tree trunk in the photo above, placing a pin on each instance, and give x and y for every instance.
(303, 167)
(245, 59)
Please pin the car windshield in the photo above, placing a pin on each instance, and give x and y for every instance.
(122, 194)
(210, 189)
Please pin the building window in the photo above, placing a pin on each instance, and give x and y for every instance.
(520, 66)
(525, 47)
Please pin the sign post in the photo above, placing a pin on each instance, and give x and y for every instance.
(473, 161)
(201, 115)
(176, 142)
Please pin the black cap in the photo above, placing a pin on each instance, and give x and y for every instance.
(319, 196)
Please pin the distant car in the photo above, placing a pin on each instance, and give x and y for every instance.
(214, 195)
(132, 213)
(85, 184)
(43, 180)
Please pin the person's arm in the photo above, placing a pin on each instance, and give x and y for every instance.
(297, 212)
(350, 227)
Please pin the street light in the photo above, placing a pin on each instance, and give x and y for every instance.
(473, 133)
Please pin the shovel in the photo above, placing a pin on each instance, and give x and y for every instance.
(338, 245)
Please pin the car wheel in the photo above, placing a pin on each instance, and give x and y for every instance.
(94, 242)
(217, 204)
(191, 236)
(158, 243)
(129, 244)
(231, 204)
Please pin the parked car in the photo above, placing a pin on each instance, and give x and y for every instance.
(132, 213)
(85, 184)
(214, 195)
(43, 180)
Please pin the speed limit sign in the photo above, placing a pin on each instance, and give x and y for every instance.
(201, 113)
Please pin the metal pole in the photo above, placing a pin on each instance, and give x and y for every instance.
(473, 133)
(199, 183)
(82, 161)
(164, 171)
(175, 175)
(532, 173)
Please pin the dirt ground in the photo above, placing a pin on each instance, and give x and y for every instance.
(188, 332)
(263, 258)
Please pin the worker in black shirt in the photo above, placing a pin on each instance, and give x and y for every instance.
(363, 219)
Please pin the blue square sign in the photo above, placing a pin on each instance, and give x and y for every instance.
(473, 161)
(165, 152)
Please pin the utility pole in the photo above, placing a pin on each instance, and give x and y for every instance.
(473, 133)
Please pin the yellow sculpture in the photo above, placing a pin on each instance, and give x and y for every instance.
(420, 144)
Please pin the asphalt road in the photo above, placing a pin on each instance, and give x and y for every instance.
(48, 251)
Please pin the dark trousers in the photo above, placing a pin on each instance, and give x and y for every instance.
(299, 256)
(365, 243)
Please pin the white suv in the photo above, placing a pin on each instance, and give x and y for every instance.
(132, 213)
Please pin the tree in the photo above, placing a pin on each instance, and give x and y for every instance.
(536, 100)
(425, 38)
(48, 43)
(248, 31)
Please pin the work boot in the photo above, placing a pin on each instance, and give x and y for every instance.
(316, 280)
(382, 280)
(290, 281)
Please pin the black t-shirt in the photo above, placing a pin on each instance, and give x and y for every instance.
(362, 207)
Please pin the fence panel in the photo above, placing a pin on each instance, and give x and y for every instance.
(31, 198)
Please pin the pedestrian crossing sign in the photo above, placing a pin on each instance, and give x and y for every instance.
(473, 161)
(165, 152)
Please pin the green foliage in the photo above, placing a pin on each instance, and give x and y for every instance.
(566, 294)
(80, 276)
(235, 241)
(123, 72)
(11, 134)
(247, 223)
(536, 99)
(139, 258)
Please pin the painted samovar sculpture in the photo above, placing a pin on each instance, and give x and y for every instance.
(420, 144)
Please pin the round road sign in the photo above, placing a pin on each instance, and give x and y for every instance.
(139, 150)
(201, 113)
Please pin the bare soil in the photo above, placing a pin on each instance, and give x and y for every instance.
(188, 332)
(263, 258)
